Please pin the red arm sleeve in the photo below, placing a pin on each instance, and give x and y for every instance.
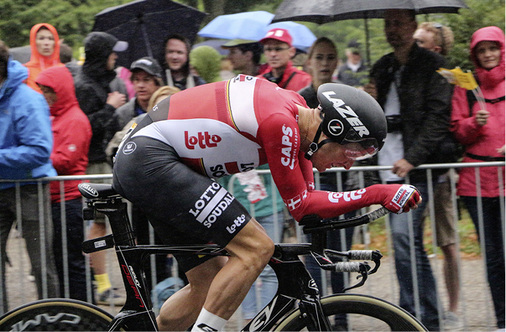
(291, 173)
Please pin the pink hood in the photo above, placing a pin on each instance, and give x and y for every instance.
(488, 78)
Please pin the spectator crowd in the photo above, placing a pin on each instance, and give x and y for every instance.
(59, 117)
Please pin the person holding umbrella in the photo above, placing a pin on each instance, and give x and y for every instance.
(176, 63)
(417, 102)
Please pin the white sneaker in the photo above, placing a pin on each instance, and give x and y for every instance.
(452, 322)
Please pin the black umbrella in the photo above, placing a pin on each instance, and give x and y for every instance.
(145, 24)
(324, 11)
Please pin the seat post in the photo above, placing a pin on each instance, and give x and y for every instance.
(116, 210)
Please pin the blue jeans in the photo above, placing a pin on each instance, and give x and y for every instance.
(494, 247)
(250, 305)
(402, 234)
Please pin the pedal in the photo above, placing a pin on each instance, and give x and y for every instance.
(100, 243)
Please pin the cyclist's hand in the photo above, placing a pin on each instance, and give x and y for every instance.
(401, 198)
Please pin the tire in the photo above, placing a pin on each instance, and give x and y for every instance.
(377, 314)
(56, 315)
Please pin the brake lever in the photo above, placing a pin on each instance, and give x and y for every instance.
(364, 272)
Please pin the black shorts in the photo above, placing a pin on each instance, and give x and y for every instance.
(183, 206)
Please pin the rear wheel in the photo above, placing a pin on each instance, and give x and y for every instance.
(56, 315)
(365, 313)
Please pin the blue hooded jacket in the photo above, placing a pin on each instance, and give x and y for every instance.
(26, 139)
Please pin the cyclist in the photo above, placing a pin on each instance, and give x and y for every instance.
(166, 163)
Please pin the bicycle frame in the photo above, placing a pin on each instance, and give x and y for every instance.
(296, 287)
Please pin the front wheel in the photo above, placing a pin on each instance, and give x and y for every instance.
(56, 315)
(364, 313)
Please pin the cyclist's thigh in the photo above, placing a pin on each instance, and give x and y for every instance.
(184, 206)
(251, 240)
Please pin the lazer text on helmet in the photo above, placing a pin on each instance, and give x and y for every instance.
(347, 113)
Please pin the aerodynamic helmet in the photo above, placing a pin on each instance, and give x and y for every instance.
(350, 117)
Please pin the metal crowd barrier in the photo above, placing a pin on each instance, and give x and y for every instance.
(21, 289)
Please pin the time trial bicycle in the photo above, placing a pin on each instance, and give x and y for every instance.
(296, 306)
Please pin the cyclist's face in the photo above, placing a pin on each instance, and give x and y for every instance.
(331, 155)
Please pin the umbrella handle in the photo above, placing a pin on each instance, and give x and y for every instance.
(145, 36)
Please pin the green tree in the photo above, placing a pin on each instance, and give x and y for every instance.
(74, 20)
(481, 13)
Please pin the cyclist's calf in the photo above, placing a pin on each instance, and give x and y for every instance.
(250, 251)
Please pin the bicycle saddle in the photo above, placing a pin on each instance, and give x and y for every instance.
(96, 190)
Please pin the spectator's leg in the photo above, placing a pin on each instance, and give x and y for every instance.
(40, 253)
(404, 227)
(76, 274)
(494, 248)
(7, 217)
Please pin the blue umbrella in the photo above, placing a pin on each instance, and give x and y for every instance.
(253, 26)
(247, 25)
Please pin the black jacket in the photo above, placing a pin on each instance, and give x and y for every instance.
(425, 98)
(92, 87)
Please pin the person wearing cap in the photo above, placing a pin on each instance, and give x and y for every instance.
(244, 56)
(279, 51)
(146, 78)
(26, 143)
(167, 165)
(99, 102)
(354, 72)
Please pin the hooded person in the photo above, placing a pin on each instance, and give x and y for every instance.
(93, 92)
(207, 62)
(25, 148)
(99, 102)
(71, 140)
(71, 129)
(480, 127)
(45, 46)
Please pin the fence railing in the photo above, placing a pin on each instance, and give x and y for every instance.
(21, 289)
